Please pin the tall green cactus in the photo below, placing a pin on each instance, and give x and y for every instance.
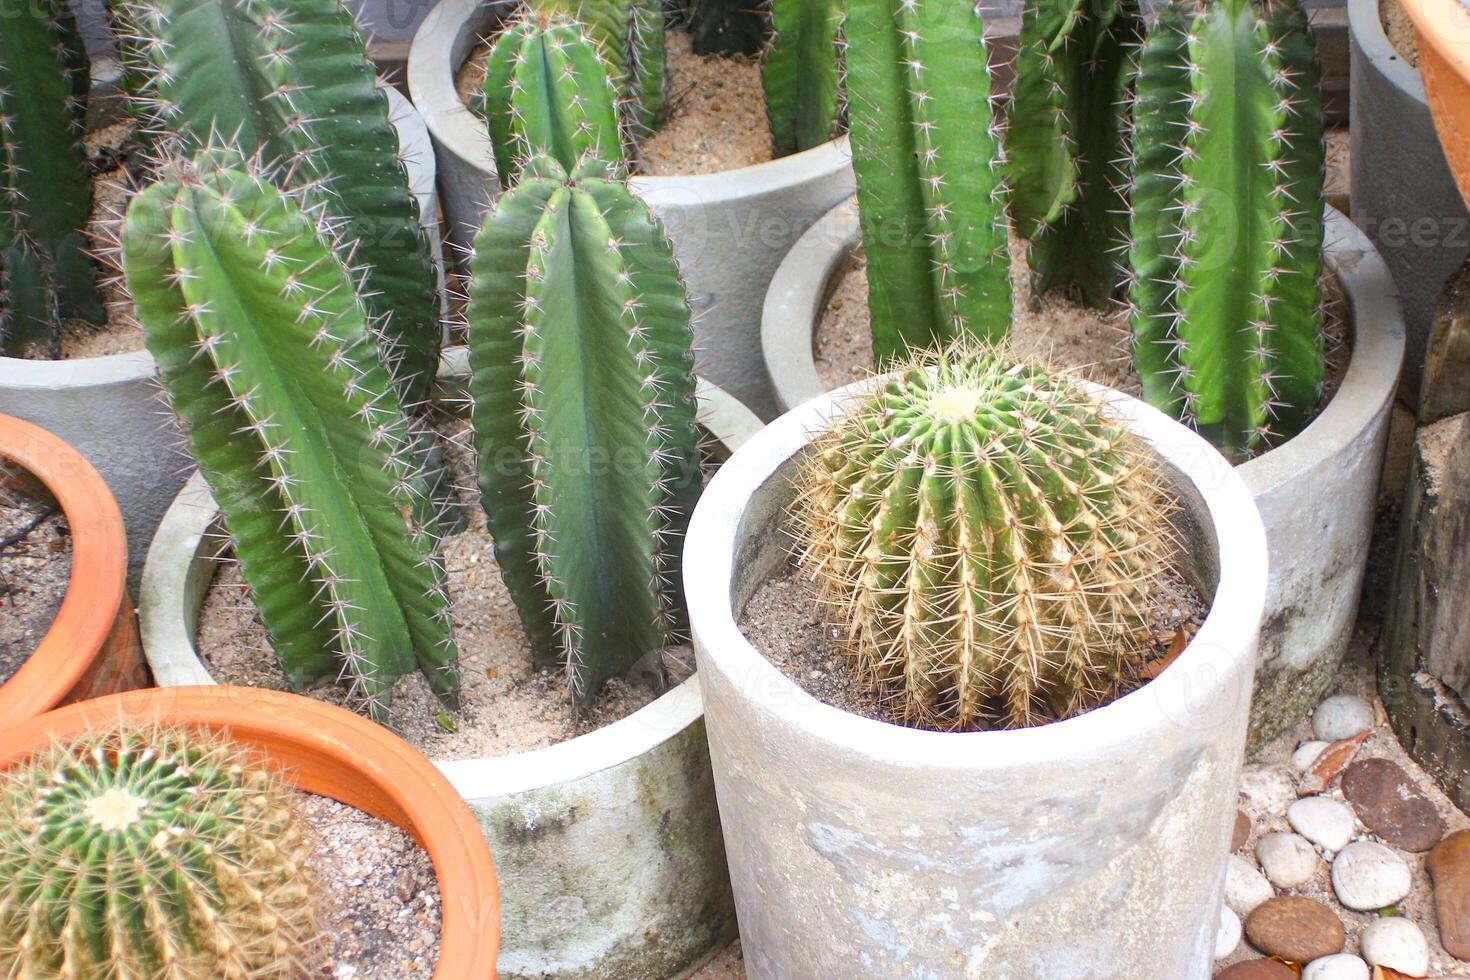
(927, 153)
(801, 73)
(1227, 224)
(631, 36)
(290, 79)
(580, 344)
(986, 536)
(45, 194)
(1067, 142)
(546, 93)
(266, 352)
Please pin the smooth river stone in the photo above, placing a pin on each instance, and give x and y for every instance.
(1342, 716)
(1449, 866)
(1338, 966)
(1367, 876)
(1289, 860)
(1396, 943)
(1388, 803)
(1257, 970)
(1295, 928)
(1323, 821)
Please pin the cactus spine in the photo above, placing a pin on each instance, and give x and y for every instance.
(1227, 203)
(546, 92)
(45, 195)
(1067, 142)
(290, 80)
(630, 34)
(150, 854)
(580, 345)
(265, 351)
(927, 153)
(801, 74)
(986, 535)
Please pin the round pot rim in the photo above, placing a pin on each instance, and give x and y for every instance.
(1445, 24)
(459, 132)
(96, 589)
(327, 751)
(1369, 383)
(173, 579)
(1367, 31)
(1215, 653)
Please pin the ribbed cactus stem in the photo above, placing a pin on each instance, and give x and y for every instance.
(580, 344)
(151, 853)
(1227, 225)
(930, 174)
(986, 535)
(800, 73)
(46, 275)
(630, 35)
(264, 348)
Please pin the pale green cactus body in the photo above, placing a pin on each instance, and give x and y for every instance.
(801, 73)
(580, 344)
(630, 34)
(265, 351)
(930, 174)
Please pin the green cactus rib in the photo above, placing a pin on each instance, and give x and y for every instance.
(290, 80)
(801, 74)
(1227, 313)
(46, 274)
(151, 853)
(583, 387)
(927, 155)
(986, 536)
(1067, 141)
(546, 93)
(264, 349)
(630, 36)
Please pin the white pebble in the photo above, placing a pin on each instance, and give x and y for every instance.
(1307, 754)
(1245, 887)
(1267, 788)
(1287, 859)
(1342, 716)
(1398, 944)
(1227, 933)
(1325, 822)
(1338, 966)
(1367, 876)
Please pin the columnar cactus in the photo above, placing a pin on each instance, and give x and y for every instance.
(630, 34)
(1227, 203)
(580, 344)
(1067, 142)
(547, 93)
(265, 350)
(801, 74)
(151, 853)
(927, 152)
(986, 535)
(45, 195)
(290, 80)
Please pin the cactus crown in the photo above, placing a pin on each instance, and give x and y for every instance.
(986, 535)
(630, 37)
(150, 853)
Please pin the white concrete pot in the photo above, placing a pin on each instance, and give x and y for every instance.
(110, 407)
(730, 230)
(1316, 493)
(607, 846)
(1094, 847)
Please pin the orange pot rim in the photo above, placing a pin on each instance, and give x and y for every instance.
(97, 587)
(1445, 26)
(328, 751)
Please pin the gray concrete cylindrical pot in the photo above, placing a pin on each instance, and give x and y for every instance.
(1316, 494)
(607, 846)
(730, 230)
(1403, 195)
(1091, 847)
(110, 407)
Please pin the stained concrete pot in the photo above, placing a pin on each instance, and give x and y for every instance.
(110, 408)
(730, 230)
(1316, 494)
(1403, 194)
(1091, 847)
(608, 845)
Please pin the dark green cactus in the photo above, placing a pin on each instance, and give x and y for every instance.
(151, 853)
(290, 80)
(928, 158)
(580, 344)
(630, 34)
(547, 93)
(46, 275)
(801, 73)
(986, 535)
(1067, 142)
(266, 352)
(1227, 203)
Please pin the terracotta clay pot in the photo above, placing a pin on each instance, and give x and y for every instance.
(1443, 29)
(331, 752)
(92, 646)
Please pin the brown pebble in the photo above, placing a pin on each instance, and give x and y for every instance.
(1257, 970)
(1449, 866)
(1389, 805)
(1242, 831)
(1295, 928)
